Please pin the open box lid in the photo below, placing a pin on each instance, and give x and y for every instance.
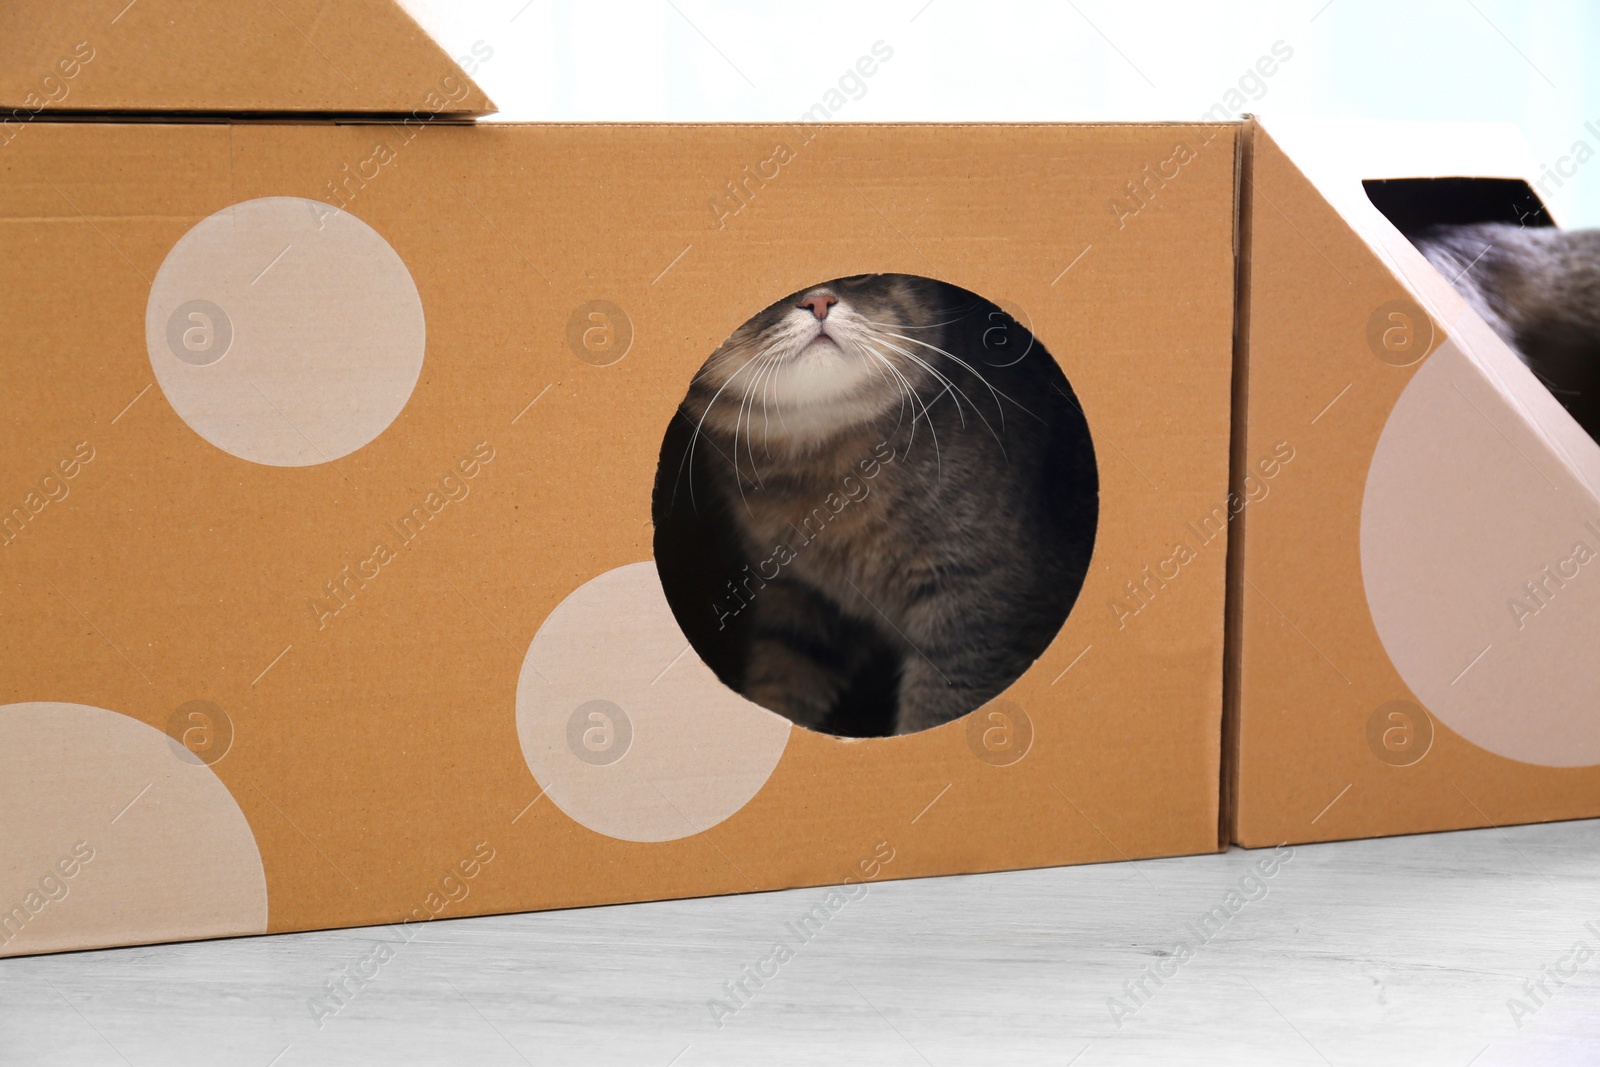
(253, 56)
(1341, 159)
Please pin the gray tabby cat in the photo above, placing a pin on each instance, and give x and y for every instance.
(904, 485)
(1539, 289)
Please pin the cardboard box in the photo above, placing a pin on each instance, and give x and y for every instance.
(329, 483)
(1384, 678)
(313, 57)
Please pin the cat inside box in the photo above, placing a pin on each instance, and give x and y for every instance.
(876, 505)
(1538, 287)
(1535, 285)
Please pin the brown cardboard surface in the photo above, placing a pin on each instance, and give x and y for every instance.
(331, 56)
(1311, 670)
(375, 751)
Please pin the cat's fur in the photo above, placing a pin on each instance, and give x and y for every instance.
(1539, 289)
(901, 489)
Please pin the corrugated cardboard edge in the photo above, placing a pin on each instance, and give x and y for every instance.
(1233, 614)
(1238, 675)
(255, 56)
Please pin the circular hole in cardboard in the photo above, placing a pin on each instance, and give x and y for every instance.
(876, 504)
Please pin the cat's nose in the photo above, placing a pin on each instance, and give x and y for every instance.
(818, 303)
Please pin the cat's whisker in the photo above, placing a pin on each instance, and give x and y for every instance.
(875, 361)
(949, 386)
(744, 400)
(700, 428)
(970, 369)
(886, 371)
(955, 391)
(766, 364)
(766, 418)
(782, 419)
(739, 419)
(908, 326)
(677, 481)
(927, 416)
(884, 368)
(958, 394)
(900, 390)
(1550, 384)
(764, 381)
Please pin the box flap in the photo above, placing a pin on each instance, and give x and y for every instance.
(1386, 680)
(318, 56)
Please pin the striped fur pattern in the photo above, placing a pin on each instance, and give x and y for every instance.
(1539, 288)
(908, 484)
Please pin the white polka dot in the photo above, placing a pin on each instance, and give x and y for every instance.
(1464, 507)
(285, 331)
(157, 848)
(625, 728)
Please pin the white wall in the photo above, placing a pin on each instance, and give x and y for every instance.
(1520, 61)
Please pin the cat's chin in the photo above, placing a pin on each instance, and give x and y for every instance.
(822, 393)
(801, 428)
(822, 347)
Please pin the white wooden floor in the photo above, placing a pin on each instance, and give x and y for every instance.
(1401, 951)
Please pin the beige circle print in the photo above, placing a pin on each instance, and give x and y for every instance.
(1457, 519)
(624, 726)
(114, 834)
(285, 331)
